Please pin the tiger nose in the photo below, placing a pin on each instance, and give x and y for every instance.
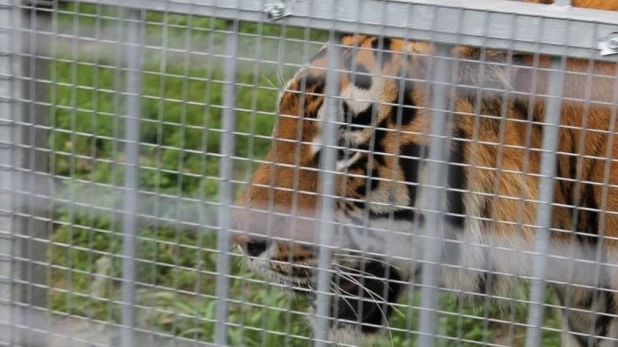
(252, 246)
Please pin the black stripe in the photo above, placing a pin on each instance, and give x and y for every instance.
(363, 119)
(588, 221)
(359, 204)
(517, 59)
(361, 76)
(572, 175)
(404, 214)
(483, 280)
(318, 90)
(348, 116)
(382, 47)
(380, 134)
(572, 166)
(361, 163)
(456, 181)
(313, 112)
(603, 322)
(409, 162)
(593, 218)
(311, 81)
(374, 182)
(406, 108)
(360, 307)
(316, 159)
(521, 108)
(341, 154)
(565, 169)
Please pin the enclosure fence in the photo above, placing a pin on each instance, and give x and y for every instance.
(128, 128)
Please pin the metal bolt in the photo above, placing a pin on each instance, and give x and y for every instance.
(612, 42)
(275, 10)
(609, 45)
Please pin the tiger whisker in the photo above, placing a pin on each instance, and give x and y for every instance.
(271, 84)
(279, 69)
(388, 327)
(355, 281)
(364, 273)
(369, 291)
(338, 291)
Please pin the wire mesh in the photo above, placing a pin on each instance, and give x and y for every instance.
(211, 173)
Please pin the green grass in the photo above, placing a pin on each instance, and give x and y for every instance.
(180, 134)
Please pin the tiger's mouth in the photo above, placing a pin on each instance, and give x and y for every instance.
(362, 297)
(363, 289)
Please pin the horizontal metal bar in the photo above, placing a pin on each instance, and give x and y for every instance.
(492, 23)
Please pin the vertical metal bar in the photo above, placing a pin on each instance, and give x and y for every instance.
(432, 231)
(225, 187)
(328, 181)
(546, 193)
(10, 156)
(23, 163)
(35, 23)
(131, 149)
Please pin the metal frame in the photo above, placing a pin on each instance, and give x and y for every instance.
(7, 243)
(505, 25)
(565, 31)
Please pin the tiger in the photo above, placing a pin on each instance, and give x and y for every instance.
(497, 115)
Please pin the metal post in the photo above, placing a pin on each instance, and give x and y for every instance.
(132, 130)
(24, 61)
(328, 181)
(546, 193)
(226, 168)
(432, 249)
(10, 157)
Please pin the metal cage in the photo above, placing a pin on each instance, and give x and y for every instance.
(129, 127)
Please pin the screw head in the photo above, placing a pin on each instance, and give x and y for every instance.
(609, 45)
(275, 10)
(612, 41)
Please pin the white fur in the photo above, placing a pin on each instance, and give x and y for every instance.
(345, 163)
(359, 100)
(316, 145)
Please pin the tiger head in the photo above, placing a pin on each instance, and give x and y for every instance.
(382, 149)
